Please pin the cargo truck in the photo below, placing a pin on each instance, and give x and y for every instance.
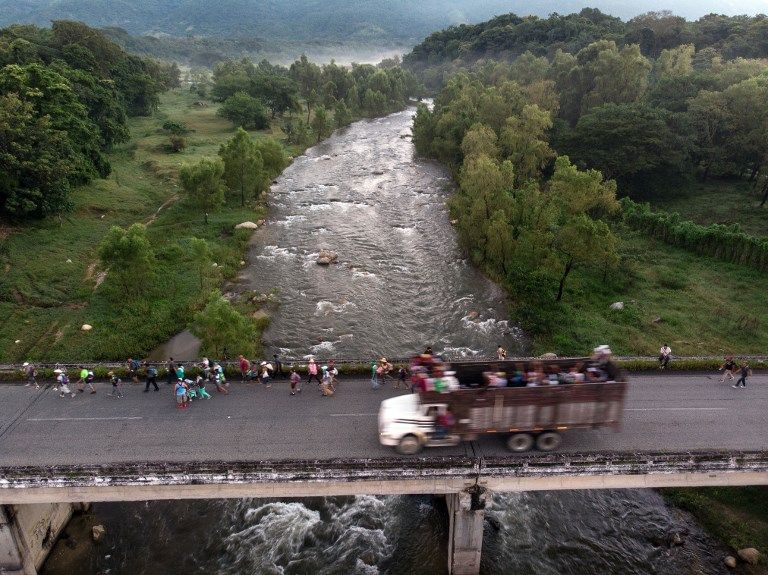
(528, 417)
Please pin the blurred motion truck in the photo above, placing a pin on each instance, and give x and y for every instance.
(526, 416)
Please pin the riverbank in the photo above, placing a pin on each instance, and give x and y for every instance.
(52, 271)
(737, 516)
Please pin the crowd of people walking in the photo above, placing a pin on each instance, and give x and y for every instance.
(191, 380)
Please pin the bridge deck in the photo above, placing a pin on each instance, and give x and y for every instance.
(44, 437)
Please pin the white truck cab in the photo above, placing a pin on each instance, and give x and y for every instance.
(409, 425)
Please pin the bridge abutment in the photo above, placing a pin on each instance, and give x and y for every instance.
(28, 533)
(466, 512)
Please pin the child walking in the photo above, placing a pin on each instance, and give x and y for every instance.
(745, 373)
(117, 385)
(295, 381)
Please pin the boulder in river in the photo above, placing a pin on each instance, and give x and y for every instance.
(326, 257)
(749, 555)
(98, 532)
(730, 562)
(246, 226)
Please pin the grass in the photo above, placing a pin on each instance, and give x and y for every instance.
(738, 516)
(698, 305)
(50, 268)
(721, 202)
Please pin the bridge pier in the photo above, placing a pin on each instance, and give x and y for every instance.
(466, 511)
(28, 533)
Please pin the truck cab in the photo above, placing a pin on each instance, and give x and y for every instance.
(408, 424)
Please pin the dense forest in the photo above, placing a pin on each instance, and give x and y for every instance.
(509, 36)
(544, 143)
(65, 95)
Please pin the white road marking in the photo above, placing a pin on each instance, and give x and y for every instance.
(352, 414)
(677, 409)
(83, 418)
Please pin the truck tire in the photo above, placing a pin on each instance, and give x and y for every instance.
(548, 441)
(409, 445)
(520, 442)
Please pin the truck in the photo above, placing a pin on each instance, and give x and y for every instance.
(528, 417)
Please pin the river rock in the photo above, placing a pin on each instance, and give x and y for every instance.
(618, 305)
(749, 555)
(86, 327)
(246, 226)
(98, 532)
(730, 562)
(326, 257)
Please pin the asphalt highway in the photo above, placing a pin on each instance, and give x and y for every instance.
(664, 412)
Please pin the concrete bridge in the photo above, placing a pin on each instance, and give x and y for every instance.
(679, 430)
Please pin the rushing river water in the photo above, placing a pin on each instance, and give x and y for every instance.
(401, 283)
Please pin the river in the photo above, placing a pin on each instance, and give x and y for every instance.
(401, 283)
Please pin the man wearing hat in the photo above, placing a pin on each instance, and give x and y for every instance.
(62, 382)
(30, 372)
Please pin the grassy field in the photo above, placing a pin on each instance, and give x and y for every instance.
(50, 285)
(702, 306)
(738, 516)
(721, 202)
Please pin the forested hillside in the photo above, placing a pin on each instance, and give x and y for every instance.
(506, 37)
(65, 94)
(342, 21)
(543, 143)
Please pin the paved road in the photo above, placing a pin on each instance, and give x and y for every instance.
(663, 413)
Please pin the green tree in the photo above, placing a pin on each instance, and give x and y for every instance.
(525, 142)
(129, 256)
(221, 326)
(35, 162)
(244, 110)
(199, 253)
(204, 184)
(341, 115)
(243, 164)
(321, 124)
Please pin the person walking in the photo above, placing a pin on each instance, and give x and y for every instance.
(180, 392)
(334, 374)
(245, 367)
(170, 367)
(151, 378)
(89, 379)
(133, 366)
(745, 373)
(312, 372)
(81, 382)
(266, 370)
(218, 379)
(501, 353)
(30, 374)
(375, 375)
(402, 373)
(295, 382)
(326, 386)
(665, 356)
(728, 367)
(180, 371)
(62, 383)
(278, 366)
(117, 385)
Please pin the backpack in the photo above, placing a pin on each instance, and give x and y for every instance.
(151, 372)
(134, 364)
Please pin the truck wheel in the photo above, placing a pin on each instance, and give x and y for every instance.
(409, 445)
(520, 442)
(548, 441)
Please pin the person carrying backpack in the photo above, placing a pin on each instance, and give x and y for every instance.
(151, 378)
(62, 382)
(133, 370)
(728, 367)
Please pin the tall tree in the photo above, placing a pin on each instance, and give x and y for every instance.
(243, 164)
(204, 183)
(129, 256)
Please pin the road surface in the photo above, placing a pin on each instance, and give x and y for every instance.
(665, 413)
